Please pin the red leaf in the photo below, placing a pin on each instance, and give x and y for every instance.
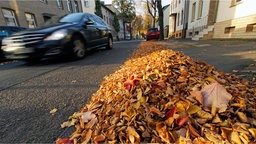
(181, 121)
(64, 141)
(128, 84)
(171, 112)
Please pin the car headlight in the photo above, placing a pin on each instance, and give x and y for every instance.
(6, 41)
(60, 34)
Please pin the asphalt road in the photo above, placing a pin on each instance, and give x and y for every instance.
(225, 55)
(29, 92)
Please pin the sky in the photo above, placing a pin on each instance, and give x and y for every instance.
(164, 2)
(139, 9)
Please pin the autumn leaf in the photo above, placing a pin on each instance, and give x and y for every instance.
(215, 95)
(131, 81)
(53, 111)
(171, 112)
(64, 141)
(87, 116)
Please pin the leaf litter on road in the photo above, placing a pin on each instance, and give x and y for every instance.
(161, 95)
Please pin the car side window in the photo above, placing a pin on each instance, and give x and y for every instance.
(90, 17)
(85, 19)
(100, 21)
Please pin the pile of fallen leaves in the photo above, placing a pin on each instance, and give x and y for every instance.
(165, 96)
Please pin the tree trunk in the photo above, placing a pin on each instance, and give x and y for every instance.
(124, 29)
(161, 19)
(154, 20)
(130, 31)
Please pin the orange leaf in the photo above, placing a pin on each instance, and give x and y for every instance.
(64, 141)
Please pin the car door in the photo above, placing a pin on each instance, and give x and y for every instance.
(103, 30)
(95, 31)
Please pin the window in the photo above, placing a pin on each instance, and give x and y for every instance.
(59, 4)
(9, 17)
(69, 6)
(193, 12)
(31, 20)
(181, 21)
(86, 3)
(200, 9)
(229, 29)
(76, 6)
(178, 19)
(251, 28)
(43, 1)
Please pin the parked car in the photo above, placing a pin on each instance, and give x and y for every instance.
(71, 35)
(152, 33)
(5, 31)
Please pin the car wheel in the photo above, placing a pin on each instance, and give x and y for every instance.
(78, 48)
(110, 43)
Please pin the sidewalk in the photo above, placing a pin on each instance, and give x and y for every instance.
(231, 56)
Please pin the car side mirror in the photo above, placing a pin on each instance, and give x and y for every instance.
(89, 23)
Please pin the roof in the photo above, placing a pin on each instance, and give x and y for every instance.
(106, 7)
(165, 7)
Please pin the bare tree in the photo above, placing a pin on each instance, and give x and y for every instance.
(152, 9)
(161, 19)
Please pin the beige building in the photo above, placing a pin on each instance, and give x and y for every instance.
(236, 19)
(88, 6)
(32, 13)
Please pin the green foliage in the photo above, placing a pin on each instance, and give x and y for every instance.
(116, 24)
(127, 8)
(98, 11)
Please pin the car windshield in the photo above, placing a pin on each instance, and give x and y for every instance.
(72, 18)
(152, 30)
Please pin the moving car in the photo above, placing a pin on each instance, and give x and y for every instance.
(152, 33)
(71, 35)
(5, 31)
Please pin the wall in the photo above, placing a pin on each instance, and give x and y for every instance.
(166, 20)
(177, 18)
(91, 8)
(239, 17)
(227, 12)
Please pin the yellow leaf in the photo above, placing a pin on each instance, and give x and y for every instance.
(193, 109)
(53, 111)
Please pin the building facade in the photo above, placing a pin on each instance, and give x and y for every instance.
(178, 18)
(166, 11)
(201, 18)
(30, 14)
(120, 34)
(236, 19)
(88, 6)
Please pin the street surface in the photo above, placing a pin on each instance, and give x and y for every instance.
(29, 92)
(225, 55)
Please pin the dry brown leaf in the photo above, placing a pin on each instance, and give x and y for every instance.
(215, 95)
(167, 82)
